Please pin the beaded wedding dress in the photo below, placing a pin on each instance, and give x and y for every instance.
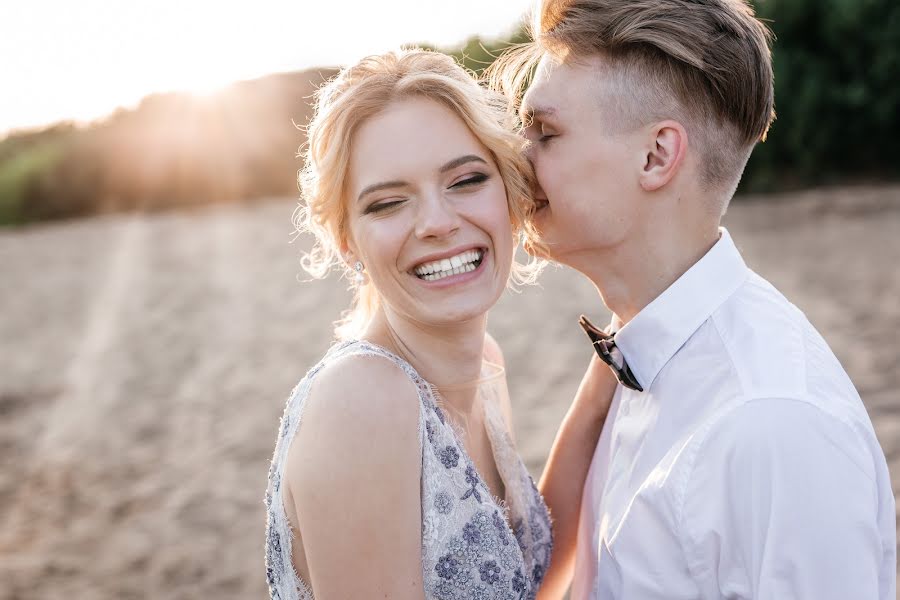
(474, 546)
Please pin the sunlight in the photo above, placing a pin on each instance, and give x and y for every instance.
(81, 60)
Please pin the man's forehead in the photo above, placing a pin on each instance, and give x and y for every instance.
(539, 99)
(560, 83)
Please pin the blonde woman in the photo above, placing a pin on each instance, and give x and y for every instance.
(395, 473)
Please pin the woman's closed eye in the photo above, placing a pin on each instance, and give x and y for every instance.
(382, 206)
(469, 181)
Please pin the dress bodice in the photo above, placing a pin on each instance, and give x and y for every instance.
(474, 546)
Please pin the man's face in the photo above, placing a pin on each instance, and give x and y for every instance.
(586, 166)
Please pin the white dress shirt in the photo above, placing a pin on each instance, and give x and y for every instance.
(748, 468)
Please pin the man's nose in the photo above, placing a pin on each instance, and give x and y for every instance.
(436, 217)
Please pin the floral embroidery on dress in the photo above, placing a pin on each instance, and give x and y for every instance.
(473, 481)
(443, 503)
(467, 542)
(449, 457)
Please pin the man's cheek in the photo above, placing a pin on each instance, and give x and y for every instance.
(546, 175)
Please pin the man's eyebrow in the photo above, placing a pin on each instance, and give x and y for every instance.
(529, 113)
(377, 187)
(457, 162)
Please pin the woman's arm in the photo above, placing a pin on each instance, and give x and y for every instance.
(354, 472)
(567, 466)
(570, 458)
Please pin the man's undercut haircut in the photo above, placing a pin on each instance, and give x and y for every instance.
(703, 63)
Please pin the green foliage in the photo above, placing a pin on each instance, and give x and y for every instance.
(18, 171)
(477, 54)
(837, 96)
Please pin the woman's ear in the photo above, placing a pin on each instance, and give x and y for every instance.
(347, 250)
(664, 154)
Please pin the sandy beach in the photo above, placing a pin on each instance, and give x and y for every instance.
(145, 361)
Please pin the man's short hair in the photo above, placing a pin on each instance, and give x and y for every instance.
(704, 63)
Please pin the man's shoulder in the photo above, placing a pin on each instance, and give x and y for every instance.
(757, 310)
(775, 350)
(760, 433)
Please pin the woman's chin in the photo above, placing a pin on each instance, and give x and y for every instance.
(455, 311)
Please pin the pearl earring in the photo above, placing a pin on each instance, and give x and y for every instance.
(358, 267)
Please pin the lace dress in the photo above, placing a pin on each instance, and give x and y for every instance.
(469, 550)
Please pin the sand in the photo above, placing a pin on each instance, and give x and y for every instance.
(145, 360)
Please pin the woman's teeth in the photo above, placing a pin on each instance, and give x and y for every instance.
(461, 263)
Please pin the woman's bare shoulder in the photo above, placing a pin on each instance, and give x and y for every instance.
(362, 386)
(354, 477)
(360, 405)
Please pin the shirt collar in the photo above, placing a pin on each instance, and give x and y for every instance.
(656, 333)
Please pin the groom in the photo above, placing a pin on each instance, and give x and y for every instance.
(737, 460)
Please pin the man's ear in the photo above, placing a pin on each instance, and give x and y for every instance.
(664, 154)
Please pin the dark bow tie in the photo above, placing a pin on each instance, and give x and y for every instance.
(605, 345)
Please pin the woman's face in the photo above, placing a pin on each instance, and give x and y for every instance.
(428, 214)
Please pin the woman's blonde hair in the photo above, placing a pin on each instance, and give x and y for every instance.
(361, 92)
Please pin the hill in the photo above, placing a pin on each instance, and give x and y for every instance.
(174, 149)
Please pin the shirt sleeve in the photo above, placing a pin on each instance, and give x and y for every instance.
(781, 503)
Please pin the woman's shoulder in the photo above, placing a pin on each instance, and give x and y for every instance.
(362, 384)
(361, 405)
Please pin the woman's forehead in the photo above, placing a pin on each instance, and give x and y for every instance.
(413, 136)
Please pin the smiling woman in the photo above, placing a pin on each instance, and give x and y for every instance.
(368, 89)
(440, 198)
(395, 474)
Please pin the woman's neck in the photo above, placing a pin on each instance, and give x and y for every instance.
(447, 355)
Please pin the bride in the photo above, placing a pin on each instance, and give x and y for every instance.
(395, 473)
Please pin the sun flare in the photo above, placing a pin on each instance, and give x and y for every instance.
(81, 60)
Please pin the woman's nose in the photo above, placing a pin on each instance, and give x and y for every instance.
(436, 217)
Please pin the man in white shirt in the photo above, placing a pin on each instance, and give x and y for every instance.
(737, 459)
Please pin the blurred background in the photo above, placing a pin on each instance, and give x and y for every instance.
(154, 315)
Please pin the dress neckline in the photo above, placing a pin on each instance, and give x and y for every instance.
(502, 504)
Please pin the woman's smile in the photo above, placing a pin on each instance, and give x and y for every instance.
(451, 267)
(462, 262)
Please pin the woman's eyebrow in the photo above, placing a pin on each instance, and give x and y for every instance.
(457, 162)
(377, 187)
